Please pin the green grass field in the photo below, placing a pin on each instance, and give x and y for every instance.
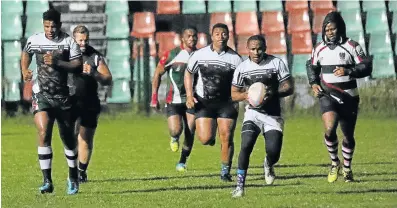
(132, 166)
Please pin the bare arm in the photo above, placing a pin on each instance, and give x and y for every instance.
(239, 94)
(73, 66)
(188, 81)
(103, 74)
(157, 78)
(286, 88)
(26, 59)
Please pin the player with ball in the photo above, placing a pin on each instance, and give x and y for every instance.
(268, 79)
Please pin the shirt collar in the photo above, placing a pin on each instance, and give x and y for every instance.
(223, 52)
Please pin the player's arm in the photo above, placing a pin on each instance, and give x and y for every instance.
(160, 71)
(313, 74)
(286, 87)
(192, 68)
(239, 93)
(71, 66)
(102, 74)
(26, 59)
(363, 65)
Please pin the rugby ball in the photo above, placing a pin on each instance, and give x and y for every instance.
(256, 94)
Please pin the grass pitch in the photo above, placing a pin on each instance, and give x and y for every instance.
(132, 166)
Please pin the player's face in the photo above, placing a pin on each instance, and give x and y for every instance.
(331, 31)
(256, 50)
(51, 29)
(189, 38)
(219, 37)
(81, 40)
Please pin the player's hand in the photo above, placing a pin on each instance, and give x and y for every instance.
(339, 71)
(190, 101)
(154, 103)
(87, 69)
(49, 59)
(317, 90)
(27, 75)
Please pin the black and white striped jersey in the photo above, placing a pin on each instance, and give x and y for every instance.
(271, 71)
(50, 81)
(347, 54)
(215, 72)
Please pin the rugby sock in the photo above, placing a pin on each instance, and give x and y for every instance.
(82, 166)
(241, 174)
(347, 153)
(71, 158)
(45, 160)
(332, 146)
(225, 169)
(184, 155)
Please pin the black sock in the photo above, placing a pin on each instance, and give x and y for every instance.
(184, 155)
(73, 173)
(47, 174)
(82, 166)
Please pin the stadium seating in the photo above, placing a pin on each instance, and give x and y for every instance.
(193, 7)
(291, 5)
(143, 24)
(245, 6)
(301, 42)
(319, 37)
(215, 6)
(34, 24)
(353, 20)
(318, 19)
(374, 5)
(383, 64)
(36, 7)
(118, 48)
(225, 18)
(321, 5)
(117, 7)
(380, 43)
(299, 65)
(358, 37)
(265, 5)
(242, 45)
(276, 43)
(298, 21)
(376, 21)
(12, 7)
(11, 49)
(167, 41)
(168, 7)
(393, 6)
(11, 26)
(272, 21)
(120, 67)
(247, 23)
(348, 5)
(12, 92)
(202, 40)
(12, 69)
(394, 24)
(117, 26)
(120, 92)
(152, 47)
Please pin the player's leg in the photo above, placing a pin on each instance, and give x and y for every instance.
(249, 135)
(88, 125)
(227, 116)
(348, 120)
(189, 128)
(44, 121)
(330, 121)
(66, 131)
(175, 125)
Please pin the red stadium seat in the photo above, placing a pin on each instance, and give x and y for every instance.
(202, 40)
(143, 25)
(322, 5)
(168, 7)
(242, 45)
(302, 42)
(272, 21)
(231, 43)
(298, 21)
(276, 43)
(318, 19)
(291, 5)
(225, 18)
(247, 23)
(167, 41)
(152, 48)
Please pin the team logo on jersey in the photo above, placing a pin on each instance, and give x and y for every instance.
(178, 69)
(342, 55)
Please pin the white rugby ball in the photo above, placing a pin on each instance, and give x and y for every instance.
(256, 94)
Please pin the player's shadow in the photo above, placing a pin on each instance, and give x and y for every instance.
(154, 178)
(190, 188)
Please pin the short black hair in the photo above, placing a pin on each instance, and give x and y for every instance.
(189, 27)
(258, 38)
(52, 15)
(220, 25)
